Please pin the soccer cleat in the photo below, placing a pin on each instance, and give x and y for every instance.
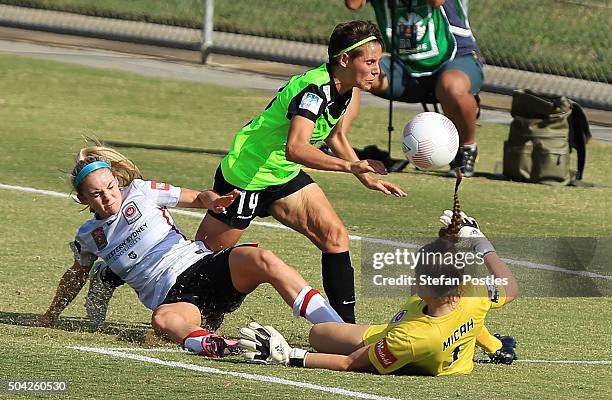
(98, 296)
(465, 159)
(216, 346)
(507, 353)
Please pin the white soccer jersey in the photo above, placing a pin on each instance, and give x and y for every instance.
(141, 244)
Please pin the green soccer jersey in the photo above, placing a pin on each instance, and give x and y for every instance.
(424, 40)
(256, 158)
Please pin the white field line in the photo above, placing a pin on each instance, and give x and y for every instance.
(241, 375)
(356, 238)
(581, 362)
(178, 350)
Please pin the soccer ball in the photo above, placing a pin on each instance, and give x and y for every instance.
(430, 140)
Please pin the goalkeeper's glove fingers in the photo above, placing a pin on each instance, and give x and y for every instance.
(265, 345)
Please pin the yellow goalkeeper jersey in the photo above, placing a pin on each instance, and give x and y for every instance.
(418, 344)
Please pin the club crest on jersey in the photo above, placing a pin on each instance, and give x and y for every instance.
(160, 185)
(383, 354)
(311, 102)
(398, 317)
(99, 237)
(131, 213)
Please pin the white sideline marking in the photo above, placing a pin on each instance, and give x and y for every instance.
(178, 350)
(255, 377)
(586, 362)
(200, 215)
(148, 349)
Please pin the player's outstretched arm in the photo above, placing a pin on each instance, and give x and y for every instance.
(207, 199)
(470, 231)
(69, 287)
(299, 150)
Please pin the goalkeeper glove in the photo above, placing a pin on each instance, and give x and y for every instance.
(469, 232)
(507, 353)
(265, 345)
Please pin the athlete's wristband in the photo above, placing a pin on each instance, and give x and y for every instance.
(297, 358)
(482, 245)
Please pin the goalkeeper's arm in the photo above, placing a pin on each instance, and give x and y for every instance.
(499, 269)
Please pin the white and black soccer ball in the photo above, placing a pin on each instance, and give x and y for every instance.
(430, 140)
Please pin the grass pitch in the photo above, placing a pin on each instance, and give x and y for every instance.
(46, 107)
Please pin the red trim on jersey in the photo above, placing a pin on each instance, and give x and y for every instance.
(167, 218)
(306, 300)
(160, 185)
(383, 354)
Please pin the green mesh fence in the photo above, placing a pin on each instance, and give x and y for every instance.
(561, 37)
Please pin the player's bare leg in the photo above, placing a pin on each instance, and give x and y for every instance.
(309, 212)
(459, 105)
(217, 235)
(250, 267)
(335, 338)
(176, 320)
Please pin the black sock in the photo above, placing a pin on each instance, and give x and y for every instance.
(339, 284)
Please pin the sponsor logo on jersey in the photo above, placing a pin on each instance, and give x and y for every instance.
(383, 354)
(127, 244)
(99, 237)
(132, 255)
(311, 102)
(131, 213)
(458, 334)
(160, 185)
(398, 317)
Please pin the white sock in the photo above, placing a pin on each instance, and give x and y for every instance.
(311, 305)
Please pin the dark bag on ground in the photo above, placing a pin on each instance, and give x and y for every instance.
(543, 132)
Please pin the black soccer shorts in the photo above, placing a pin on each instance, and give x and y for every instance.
(254, 203)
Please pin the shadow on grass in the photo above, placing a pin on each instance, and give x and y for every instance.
(133, 333)
(166, 147)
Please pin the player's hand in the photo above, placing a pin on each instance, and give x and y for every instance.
(265, 345)
(364, 166)
(466, 221)
(222, 202)
(385, 187)
(470, 232)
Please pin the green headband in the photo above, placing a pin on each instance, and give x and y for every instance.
(354, 46)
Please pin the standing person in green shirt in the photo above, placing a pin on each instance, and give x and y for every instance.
(435, 55)
(266, 156)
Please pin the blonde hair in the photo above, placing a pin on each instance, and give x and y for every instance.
(122, 168)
